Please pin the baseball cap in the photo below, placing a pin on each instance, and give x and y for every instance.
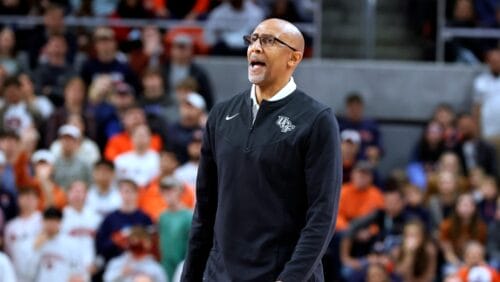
(350, 135)
(196, 100)
(43, 156)
(169, 182)
(104, 33)
(70, 130)
(182, 39)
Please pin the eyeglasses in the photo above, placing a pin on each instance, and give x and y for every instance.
(265, 40)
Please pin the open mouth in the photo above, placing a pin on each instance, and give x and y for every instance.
(257, 63)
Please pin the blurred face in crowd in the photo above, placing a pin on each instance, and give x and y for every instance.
(56, 50)
(194, 150)
(376, 273)
(129, 196)
(444, 115)
(10, 146)
(447, 183)
(466, 128)
(74, 92)
(27, 86)
(464, 10)
(103, 175)
(394, 203)
(473, 254)
(141, 138)
(168, 163)
(493, 60)
(361, 179)
(433, 133)
(69, 145)
(51, 226)
(77, 194)
(489, 189)
(7, 41)
(132, 118)
(77, 121)
(465, 206)
(54, 20)
(413, 234)
(122, 100)
(449, 162)
(190, 115)
(28, 203)
(153, 86)
(181, 53)
(349, 150)
(13, 94)
(354, 111)
(105, 49)
(172, 195)
(414, 196)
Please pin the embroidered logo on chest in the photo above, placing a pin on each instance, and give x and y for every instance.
(285, 124)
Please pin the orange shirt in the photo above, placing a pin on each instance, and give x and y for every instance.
(459, 242)
(122, 142)
(355, 203)
(463, 273)
(152, 203)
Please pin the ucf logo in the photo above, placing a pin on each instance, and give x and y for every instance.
(285, 124)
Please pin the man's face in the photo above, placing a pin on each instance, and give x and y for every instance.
(9, 145)
(361, 179)
(267, 64)
(103, 174)
(181, 53)
(354, 110)
(54, 19)
(106, 49)
(28, 202)
(12, 94)
(190, 115)
(51, 226)
(493, 59)
(56, 48)
(77, 194)
(466, 128)
(141, 137)
(128, 194)
(132, 118)
(168, 163)
(394, 203)
(153, 86)
(69, 144)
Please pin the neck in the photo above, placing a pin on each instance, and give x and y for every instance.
(59, 62)
(78, 207)
(128, 209)
(266, 92)
(25, 214)
(174, 206)
(141, 151)
(103, 188)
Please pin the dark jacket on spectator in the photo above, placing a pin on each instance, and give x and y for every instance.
(119, 71)
(53, 77)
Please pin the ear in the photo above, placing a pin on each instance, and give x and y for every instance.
(295, 59)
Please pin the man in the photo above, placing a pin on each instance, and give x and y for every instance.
(472, 149)
(487, 100)
(188, 171)
(354, 119)
(269, 176)
(103, 196)
(8, 203)
(69, 167)
(106, 61)
(350, 149)
(181, 66)
(22, 230)
(80, 224)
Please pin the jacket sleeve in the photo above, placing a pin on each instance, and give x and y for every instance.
(323, 176)
(201, 235)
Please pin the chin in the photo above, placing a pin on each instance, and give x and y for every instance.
(255, 79)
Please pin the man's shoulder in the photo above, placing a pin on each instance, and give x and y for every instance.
(308, 102)
(231, 102)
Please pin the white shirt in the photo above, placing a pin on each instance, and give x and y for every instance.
(281, 94)
(88, 151)
(81, 227)
(56, 260)
(140, 168)
(487, 94)
(102, 203)
(144, 266)
(6, 269)
(19, 235)
(187, 173)
(17, 117)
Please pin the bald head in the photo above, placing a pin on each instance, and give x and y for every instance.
(285, 31)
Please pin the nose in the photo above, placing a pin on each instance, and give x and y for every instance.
(255, 46)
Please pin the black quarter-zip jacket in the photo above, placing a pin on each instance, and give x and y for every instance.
(267, 191)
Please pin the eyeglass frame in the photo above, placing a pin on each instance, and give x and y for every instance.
(248, 40)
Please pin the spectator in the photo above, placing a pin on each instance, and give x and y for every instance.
(8, 203)
(371, 146)
(136, 264)
(41, 103)
(87, 148)
(154, 98)
(463, 225)
(188, 171)
(103, 196)
(151, 200)
(10, 145)
(174, 226)
(188, 10)
(68, 166)
(111, 237)
(106, 61)
(472, 150)
(415, 204)
(493, 245)
(360, 190)
(181, 66)
(363, 243)
(448, 162)
(21, 231)
(53, 24)
(74, 104)
(445, 116)
(350, 148)
(228, 23)
(487, 100)
(150, 55)
(80, 223)
(51, 195)
(475, 260)
(120, 143)
(11, 61)
(488, 203)
(416, 258)
(441, 205)
(192, 112)
(142, 164)
(53, 72)
(19, 112)
(56, 256)
(6, 269)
